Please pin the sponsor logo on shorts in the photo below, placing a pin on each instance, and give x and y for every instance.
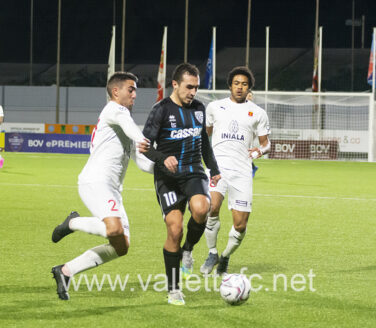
(241, 203)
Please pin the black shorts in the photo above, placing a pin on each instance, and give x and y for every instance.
(175, 193)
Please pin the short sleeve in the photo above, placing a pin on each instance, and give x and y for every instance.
(210, 114)
(263, 127)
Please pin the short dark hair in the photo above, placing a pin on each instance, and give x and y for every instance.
(183, 68)
(117, 78)
(241, 70)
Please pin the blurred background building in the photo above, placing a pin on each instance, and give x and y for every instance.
(29, 29)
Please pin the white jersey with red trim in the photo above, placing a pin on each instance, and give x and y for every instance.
(234, 128)
(112, 144)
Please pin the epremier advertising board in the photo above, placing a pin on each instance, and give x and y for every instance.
(47, 143)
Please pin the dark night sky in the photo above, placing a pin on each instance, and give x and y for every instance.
(86, 27)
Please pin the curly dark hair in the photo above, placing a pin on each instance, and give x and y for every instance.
(241, 70)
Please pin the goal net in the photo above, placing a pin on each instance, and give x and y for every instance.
(306, 125)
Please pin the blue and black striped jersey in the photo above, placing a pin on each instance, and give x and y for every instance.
(180, 132)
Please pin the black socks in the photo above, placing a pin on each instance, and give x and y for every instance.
(172, 265)
(194, 233)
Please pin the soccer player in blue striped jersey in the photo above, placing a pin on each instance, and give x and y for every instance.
(177, 125)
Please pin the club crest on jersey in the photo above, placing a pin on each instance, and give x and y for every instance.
(250, 113)
(233, 126)
(199, 116)
(233, 135)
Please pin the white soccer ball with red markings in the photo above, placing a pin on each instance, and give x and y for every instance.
(235, 288)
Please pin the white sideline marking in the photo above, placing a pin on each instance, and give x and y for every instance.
(60, 186)
(315, 197)
(150, 189)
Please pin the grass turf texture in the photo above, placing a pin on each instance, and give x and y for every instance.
(306, 215)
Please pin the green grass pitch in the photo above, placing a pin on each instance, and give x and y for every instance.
(307, 215)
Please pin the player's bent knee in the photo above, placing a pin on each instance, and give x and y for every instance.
(203, 212)
(115, 231)
(214, 211)
(121, 251)
(175, 233)
(114, 226)
(200, 213)
(240, 227)
(199, 206)
(120, 243)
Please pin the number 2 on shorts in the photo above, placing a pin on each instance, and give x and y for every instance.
(113, 205)
(170, 198)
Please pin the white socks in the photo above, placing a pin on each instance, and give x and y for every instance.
(234, 240)
(92, 258)
(211, 232)
(91, 225)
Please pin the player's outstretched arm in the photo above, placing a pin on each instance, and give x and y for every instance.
(140, 159)
(143, 146)
(123, 118)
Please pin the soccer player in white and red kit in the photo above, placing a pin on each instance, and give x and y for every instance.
(113, 143)
(233, 123)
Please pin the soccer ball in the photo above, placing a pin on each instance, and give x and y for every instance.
(235, 289)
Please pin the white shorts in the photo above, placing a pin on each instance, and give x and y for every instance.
(239, 188)
(103, 201)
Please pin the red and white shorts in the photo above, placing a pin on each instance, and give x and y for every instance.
(103, 201)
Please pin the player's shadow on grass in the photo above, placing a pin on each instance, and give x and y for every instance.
(256, 268)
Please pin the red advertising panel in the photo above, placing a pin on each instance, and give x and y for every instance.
(303, 149)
